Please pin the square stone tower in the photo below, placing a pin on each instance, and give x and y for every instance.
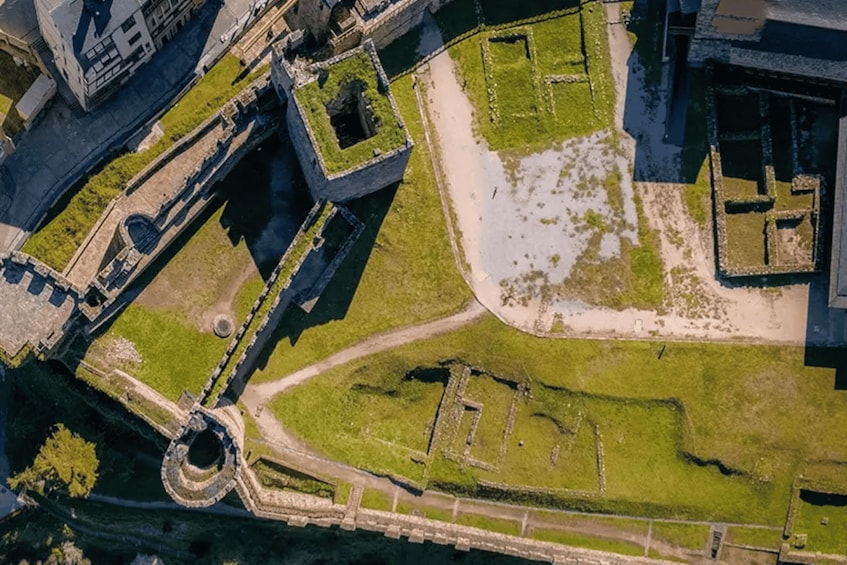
(343, 122)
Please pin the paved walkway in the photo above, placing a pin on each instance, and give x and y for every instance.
(65, 144)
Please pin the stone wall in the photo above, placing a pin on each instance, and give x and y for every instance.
(379, 172)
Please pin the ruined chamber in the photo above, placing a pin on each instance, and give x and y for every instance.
(343, 123)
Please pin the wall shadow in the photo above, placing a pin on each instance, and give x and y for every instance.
(266, 200)
(335, 301)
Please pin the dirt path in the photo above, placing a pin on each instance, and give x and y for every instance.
(256, 395)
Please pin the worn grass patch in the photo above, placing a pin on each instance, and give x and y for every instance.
(588, 541)
(70, 219)
(688, 536)
(399, 273)
(635, 278)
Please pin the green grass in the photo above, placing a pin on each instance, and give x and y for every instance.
(408, 274)
(176, 356)
(73, 216)
(688, 536)
(342, 493)
(745, 236)
(509, 527)
(522, 119)
(404, 507)
(729, 406)
(812, 510)
(376, 500)
(588, 541)
(314, 96)
(756, 537)
(611, 523)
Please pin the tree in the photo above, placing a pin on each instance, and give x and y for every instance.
(65, 462)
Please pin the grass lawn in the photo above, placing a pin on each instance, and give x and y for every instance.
(376, 500)
(70, 219)
(756, 537)
(14, 82)
(716, 402)
(588, 541)
(175, 355)
(515, 106)
(688, 536)
(490, 524)
(823, 517)
(404, 507)
(399, 273)
(745, 236)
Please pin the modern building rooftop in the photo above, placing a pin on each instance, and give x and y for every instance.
(18, 20)
(838, 260)
(87, 22)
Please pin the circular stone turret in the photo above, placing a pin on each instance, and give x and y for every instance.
(201, 465)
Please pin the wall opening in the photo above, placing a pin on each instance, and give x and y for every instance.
(351, 115)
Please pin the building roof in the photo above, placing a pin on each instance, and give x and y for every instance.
(86, 22)
(18, 19)
(826, 14)
(36, 97)
(838, 264)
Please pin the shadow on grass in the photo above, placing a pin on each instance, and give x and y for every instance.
(266, 199)
(335, 301)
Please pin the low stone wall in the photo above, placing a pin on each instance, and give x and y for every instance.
(302, 510)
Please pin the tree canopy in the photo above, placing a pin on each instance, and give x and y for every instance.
(65, 462)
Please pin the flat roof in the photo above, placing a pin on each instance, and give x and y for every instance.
(18, 19)
(85, 23)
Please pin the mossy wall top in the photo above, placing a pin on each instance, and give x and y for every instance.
(313, 96)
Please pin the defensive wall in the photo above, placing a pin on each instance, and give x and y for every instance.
(52, 305)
